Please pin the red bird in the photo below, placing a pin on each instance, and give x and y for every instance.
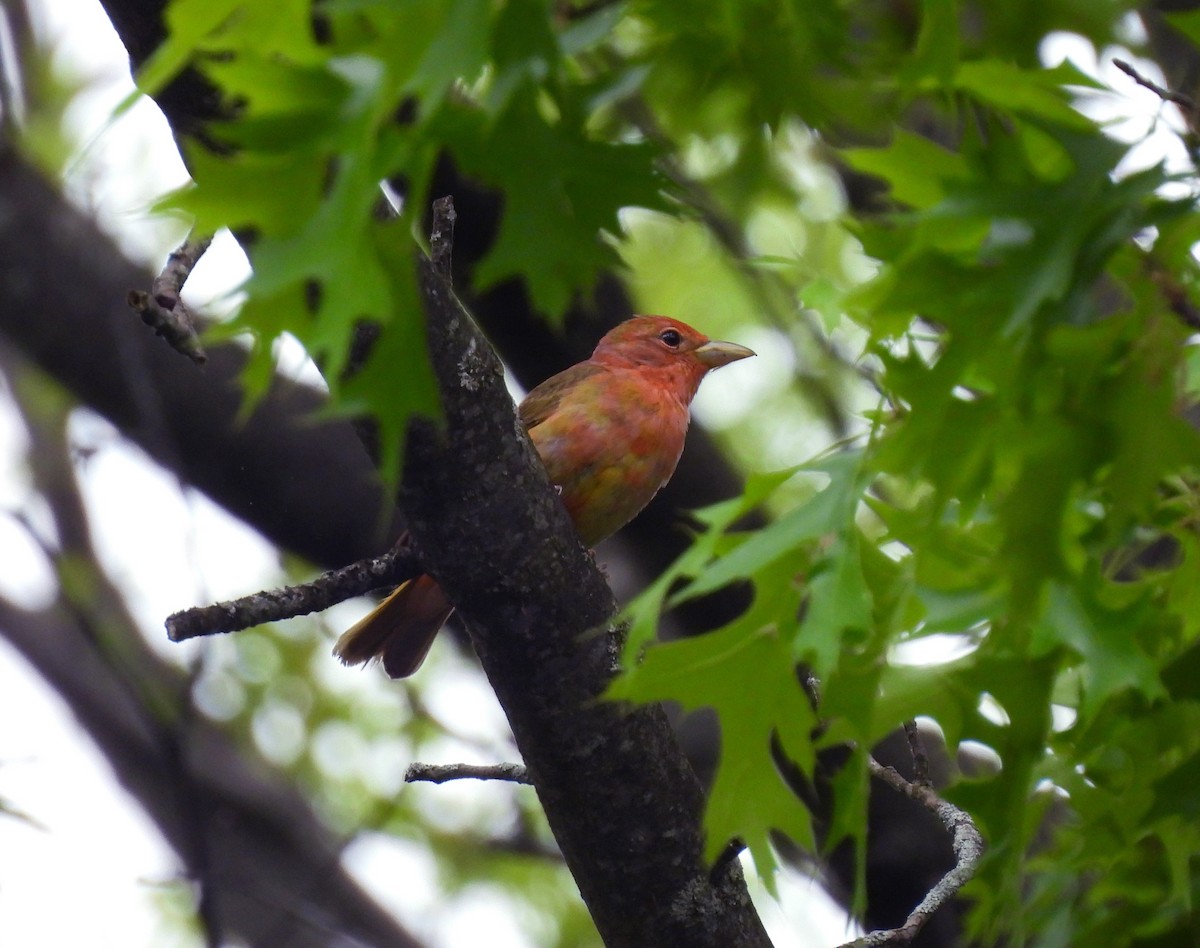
(609, 430)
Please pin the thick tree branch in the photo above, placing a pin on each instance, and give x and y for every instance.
(620, 797)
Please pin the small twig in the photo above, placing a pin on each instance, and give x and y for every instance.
(916, 747)
(440, 773)
(968, 850)
(441, 236)
(163, 311)
(167, 285)
(1184, 101)
(392, 568)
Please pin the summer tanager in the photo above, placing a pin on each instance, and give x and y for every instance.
(609, 430)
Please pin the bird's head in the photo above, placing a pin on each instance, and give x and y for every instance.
(660, 342)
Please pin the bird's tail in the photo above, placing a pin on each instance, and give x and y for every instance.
(400, 630)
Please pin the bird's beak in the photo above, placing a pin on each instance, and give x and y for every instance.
(714, 354)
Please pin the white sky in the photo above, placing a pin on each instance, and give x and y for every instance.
(90, 873)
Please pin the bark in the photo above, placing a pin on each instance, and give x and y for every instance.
(624, 804)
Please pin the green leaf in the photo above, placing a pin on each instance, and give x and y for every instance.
(839, 606)
(562, 194)
(1035, 93)
(458, 51)
(643, 612)
(188, 22)
(916, 168)
(936, 54)
(248, 194)
(225, 26)
(1107, 641)
(826, 512)
(397, 381)
(948, 693)
(746, 675)
(1186, 22)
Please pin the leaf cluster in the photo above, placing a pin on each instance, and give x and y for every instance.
(321, 107)
(1018, 513)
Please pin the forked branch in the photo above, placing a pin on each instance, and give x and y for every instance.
(162, 309)
(965, 839)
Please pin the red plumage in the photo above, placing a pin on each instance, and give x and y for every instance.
(609, 430)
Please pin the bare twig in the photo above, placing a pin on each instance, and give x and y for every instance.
(440, 773)
(401, 563)
(1185, 102)
(167, 285)
(392, 568)
(968, 850)
(920, 759)
(163, 311)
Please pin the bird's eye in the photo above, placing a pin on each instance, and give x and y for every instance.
(671, 337)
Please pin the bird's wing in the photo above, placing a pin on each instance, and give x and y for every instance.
(545, 398)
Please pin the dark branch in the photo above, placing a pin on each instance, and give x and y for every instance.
(968, 850)
(624, 805)
(440, 773)
(1185, 102)
(168, 284)
(162, 309)
(920, 758)
(357, 579)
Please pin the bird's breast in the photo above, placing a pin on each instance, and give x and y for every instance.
(610, 445)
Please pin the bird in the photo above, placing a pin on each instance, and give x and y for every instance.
(609, 431)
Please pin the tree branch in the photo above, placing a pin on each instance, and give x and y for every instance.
(162, 309)
(920, 759)
(1185, 102)
(620, 798)
(968, 850)
(440, 773)
(441, 237)
(392, 568)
